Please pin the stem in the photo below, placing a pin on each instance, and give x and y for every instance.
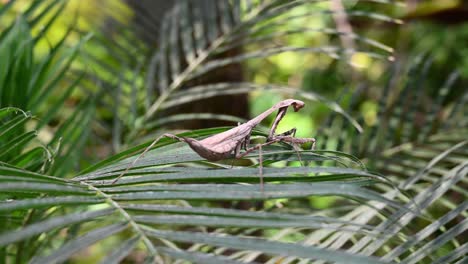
(177, 82)
(183, 76)
(124, 213)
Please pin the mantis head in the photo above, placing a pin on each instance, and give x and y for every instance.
(296, 104)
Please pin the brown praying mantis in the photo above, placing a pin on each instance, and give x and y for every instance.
(228, 144)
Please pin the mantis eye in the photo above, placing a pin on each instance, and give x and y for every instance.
(297, 106)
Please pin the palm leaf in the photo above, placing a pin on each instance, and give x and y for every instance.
(28, 80)
(14, 139)
(426, 152)
(169, 206)
(146, 211)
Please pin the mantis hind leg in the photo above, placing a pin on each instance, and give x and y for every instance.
(260, 158)
(297, 149)
(246, 142)
(144, 152)
(295, 142)
(290, 133)
(260, 167)
(236, 152)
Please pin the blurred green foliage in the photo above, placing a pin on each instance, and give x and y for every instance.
(38, 78)
(443, 43)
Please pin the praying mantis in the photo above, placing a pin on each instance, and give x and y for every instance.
(228, 144)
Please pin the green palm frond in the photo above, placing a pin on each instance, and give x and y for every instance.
(420, 142)
(175, 207)
(41, 84)
(408, 112)
(172, 197)
(437, 191)
(14, 139)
